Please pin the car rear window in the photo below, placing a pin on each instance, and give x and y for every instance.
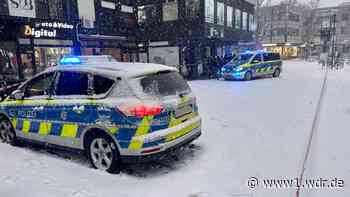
(164, 84)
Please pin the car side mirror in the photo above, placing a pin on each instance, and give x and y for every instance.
(17, 95)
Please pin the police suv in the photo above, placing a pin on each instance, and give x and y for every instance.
(114, 112)
(252, 64)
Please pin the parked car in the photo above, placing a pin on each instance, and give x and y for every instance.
(114, 112)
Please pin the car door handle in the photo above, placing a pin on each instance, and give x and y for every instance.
(79, 109)
(40, 108)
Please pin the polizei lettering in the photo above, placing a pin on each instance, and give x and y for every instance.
(38, 33)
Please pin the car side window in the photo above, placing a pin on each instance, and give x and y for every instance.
(40, 86)
(256, 59)
(72, 83)
(267, 57)
(102, 84)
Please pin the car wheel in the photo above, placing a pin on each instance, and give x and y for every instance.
(103, 153)
(276, 73)
(7, 133)
(248, 76)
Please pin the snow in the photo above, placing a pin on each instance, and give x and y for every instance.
(257, 129)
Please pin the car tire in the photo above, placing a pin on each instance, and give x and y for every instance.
(103, 153)
(7, 132)
(276, 73)
(248, 76)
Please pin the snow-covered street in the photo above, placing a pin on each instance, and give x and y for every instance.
(258, 128)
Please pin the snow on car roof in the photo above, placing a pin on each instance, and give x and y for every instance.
(116, 68)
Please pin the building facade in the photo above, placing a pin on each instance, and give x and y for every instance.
(35, 34)
(188, 32)
(282, 29)
(342, 28)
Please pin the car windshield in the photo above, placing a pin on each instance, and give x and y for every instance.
(242, 58)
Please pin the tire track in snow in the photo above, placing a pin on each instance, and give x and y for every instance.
(315, 124)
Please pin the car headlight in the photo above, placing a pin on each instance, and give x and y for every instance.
(223, 69)
(239, 68)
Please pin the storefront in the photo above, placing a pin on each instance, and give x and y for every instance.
(29, 47)
(285, 50)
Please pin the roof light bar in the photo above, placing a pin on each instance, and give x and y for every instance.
(70, 60)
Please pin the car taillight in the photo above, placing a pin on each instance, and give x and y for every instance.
(143, 110)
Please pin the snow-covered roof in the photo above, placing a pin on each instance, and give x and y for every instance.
(121, 69)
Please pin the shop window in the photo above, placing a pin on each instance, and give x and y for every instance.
(8, 61)
(102, 84)
(221, 13)
(72, 83)
(209, 11)
(170, 10)
(229, 16)
(46, 57)
(238, 19)
(192, 8)
(147, 13)
(40, 86)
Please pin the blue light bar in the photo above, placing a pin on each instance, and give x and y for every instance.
(70, 60)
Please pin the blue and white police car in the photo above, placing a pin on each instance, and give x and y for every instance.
(115, 112)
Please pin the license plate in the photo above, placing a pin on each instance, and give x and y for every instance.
(183, 110)
(227, 74)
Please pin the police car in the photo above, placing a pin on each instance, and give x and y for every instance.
(251, 64)
(114, 112)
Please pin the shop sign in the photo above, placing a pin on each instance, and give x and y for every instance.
(38, 33)
(25, 8)
(48, 30)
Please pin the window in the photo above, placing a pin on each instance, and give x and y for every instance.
(343, 30)
(164, 84)
(345, 16)
(209, 11)
(56, 10)
(72, 83)
(229, 16)
(192, 8)
(170, 10)
(102, 84)
(238, 19)
(221, 13)
(252, 26)
(147, 13)
(256, 59)
(245, 21)
(40, 85)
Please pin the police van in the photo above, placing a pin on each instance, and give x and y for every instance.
(252, 64)
(114, 112)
